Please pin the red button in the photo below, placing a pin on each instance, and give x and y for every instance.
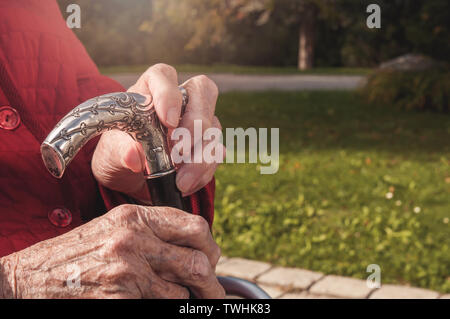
(9, 118)
(60, 217)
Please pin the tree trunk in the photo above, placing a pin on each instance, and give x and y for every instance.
(307, 38)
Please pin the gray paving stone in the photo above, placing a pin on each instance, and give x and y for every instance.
(304, 295)
(403, 292)
(242, 268)
(274, 292)
(292, 277)
(342, 287)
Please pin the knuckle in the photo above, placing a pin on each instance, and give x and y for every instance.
(207, 83)
(203, 79)
(166, 69)
(120, 240)
(208, 176)
(199, 225)
(124, 211)
(201, 269)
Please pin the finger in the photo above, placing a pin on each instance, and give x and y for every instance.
(202, 92)
(132, 271)
(159, 288)
(192, 150)
(117, 163)
(188, 180)
(191, 268)
(196, 124)
(160, 81)
(187, 177)
(193, 176)
(174, 226)
(201, 106)
(120, 151)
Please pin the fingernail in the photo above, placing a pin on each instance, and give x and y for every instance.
(185, 181)
(172, 117)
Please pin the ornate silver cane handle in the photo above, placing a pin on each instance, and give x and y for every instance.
(128, 112)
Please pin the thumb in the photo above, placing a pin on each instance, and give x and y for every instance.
(130, 155)
(118, 163)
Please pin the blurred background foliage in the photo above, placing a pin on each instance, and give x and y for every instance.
(259, 32)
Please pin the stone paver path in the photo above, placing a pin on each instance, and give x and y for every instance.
(295, 283)
(243, 82)
(401, 292)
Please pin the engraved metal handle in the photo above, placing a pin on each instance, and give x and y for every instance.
(128, 112)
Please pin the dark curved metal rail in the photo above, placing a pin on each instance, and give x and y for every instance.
(242, 288)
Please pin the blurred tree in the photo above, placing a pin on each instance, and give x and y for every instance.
(301, 13)
(406, 26)
(110, 29)
(213, 17)
(202, 25)
(260, 32)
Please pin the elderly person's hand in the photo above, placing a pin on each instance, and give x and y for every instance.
(130, 252)
(118, 160)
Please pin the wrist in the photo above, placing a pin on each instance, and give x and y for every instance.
(8, 265)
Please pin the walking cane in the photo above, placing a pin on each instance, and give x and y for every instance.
(129, 112)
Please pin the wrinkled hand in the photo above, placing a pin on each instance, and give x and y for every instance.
(118, 160)
(130, 252)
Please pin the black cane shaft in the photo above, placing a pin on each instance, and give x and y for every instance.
(164, 191)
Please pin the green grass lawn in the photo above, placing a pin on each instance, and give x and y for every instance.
(237, 69)
(327, 208)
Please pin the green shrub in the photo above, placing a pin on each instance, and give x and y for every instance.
(408, 90)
